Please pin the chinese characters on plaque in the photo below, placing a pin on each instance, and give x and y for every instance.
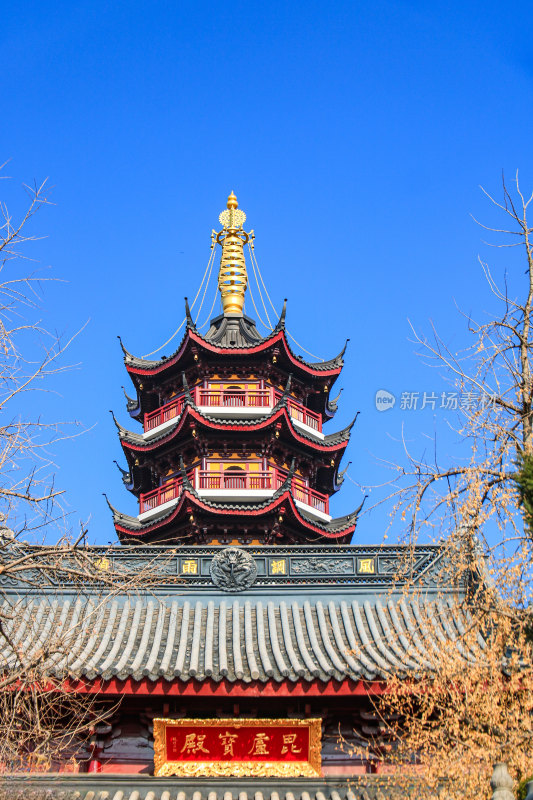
(278, 566)
(189, 566)
(366, 566)
(261, 747)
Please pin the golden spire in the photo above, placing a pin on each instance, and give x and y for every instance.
(232, 276)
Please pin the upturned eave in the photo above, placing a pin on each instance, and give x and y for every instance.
(340, 529)
(321, 369)
(330, 443)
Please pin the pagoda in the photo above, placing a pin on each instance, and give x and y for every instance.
(232, 447)
(244, 661)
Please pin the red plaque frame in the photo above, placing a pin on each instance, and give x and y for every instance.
(238, 748)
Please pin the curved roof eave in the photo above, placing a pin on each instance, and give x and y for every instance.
(331, 367)
(336, 528)
(333, 441)
(141, 366)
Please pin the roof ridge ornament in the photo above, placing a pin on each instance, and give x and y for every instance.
(185, 478)
(121, 430)
(127, 354)
(280, 326)
(341, 474)
(232, 275)
(188, 316)
(124, 472)
(114, 511)
(187, 391)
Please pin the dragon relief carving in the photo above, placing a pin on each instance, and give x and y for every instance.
(325, 565)
(233, 570)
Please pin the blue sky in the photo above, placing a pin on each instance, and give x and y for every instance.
(355, 136)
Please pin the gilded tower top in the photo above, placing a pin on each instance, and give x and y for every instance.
(232, 276)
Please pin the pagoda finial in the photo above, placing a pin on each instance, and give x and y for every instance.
(232, 276)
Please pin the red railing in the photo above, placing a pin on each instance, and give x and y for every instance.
(231, 480)
(233, 398)
(207, 479)
(304, 415)
(301, 413)
(227, 398)
(303, 493)
(164, 413)
(169, 491)
(270, 479)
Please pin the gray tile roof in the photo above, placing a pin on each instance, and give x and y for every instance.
(145, 787)
(329, 439)
(235, 639)
(239, 332)
(335, 525)
(234, 333)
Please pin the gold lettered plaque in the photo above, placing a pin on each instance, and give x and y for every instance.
(213, 748)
